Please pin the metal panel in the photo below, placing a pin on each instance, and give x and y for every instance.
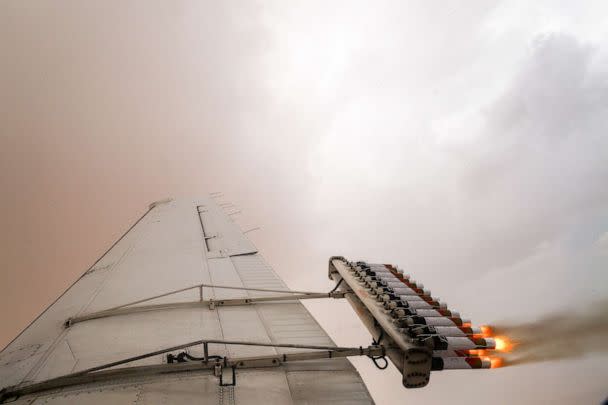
(255, 273)
(168, 256)
(254, 387)
(46, 331)
(327, 387)
(110, 339)
(223, 237)
(291, 323)
(61, 361)
(237, 322)
(95, 397)
(287, 322)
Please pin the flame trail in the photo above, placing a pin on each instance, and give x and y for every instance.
(554, 337)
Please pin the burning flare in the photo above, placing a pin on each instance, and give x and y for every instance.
(487, 331)
(496, 362)
(504, 344)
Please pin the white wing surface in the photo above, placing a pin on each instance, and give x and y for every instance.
(175, 245)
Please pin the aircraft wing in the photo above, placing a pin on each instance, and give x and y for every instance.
(186, 249)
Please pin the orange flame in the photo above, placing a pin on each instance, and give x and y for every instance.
(486, 330)
(503, 344)
(478, 352)
(496, 362)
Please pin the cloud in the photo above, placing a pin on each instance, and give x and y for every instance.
(541, 162)
(526, 174)
(602, 244)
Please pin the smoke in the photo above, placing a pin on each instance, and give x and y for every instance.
(558, 336)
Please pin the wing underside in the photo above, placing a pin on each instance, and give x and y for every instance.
(175, 245)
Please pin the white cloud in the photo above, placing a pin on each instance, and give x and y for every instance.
(530, 172)
(602, 244)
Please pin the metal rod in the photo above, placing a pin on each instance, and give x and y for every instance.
(156, 296)
(193, 304)
(140, 357)
(287, 345)
(225, 287)
(87, 377)
(209, 341)
(134, 310)
(243, 301)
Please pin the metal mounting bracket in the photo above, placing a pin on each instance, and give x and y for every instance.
(229, 384)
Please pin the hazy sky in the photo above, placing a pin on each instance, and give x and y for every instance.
(465, 141)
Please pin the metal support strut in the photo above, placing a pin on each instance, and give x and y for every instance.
(213, 364)
(132, 307)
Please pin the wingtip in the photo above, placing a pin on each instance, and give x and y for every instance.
(159, 202)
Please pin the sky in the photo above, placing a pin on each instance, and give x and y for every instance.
(464, 141)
